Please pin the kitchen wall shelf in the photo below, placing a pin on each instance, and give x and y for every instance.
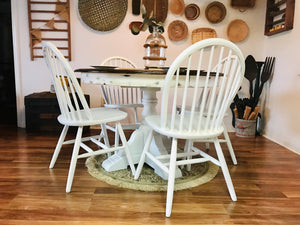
(49, 21)
(279, 16)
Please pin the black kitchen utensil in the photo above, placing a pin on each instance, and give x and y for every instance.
(232, 106)
(257, 80)
(265, 75)
(250, 72)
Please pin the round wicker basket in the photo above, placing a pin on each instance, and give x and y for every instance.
(215, 12)
(237, 30)
(177, 30)
(102, 15)
(192, 11)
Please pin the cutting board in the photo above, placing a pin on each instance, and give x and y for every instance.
(158, 7)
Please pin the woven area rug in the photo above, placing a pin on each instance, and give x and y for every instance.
(148, 180)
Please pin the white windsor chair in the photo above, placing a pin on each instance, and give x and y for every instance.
(121, 97)
(226, 138)
(202, 123)
(76, 112)
(117, 97)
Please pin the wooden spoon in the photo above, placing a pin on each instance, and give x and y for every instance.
(177, 6)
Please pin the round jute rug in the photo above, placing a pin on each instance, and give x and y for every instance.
(148, 180)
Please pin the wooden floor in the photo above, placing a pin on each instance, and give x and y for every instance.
(266, 179)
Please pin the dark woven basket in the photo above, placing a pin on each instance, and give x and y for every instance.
(102, 15)
(215, 12)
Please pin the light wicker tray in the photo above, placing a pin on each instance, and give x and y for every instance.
(203, 33)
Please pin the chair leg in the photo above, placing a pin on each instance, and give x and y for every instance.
(143, 155)
(229, 145)
(207, 146)
(105, 137)
(225, 170)
(126, 148)
(74, 159)
(187, 149)
(171, 179)
(117, 136)
(135, 116)
(58, 146)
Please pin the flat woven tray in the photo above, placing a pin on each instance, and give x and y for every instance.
(203, 33)
(102, 15)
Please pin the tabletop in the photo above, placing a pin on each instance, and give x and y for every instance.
(132, 77)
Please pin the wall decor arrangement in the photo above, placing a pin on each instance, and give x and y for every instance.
(106, 15)
(214, 12)
(279, 16)
(49, 21)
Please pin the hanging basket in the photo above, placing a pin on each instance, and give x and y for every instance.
(102, 15)
(203, 33)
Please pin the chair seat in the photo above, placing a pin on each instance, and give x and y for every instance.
(154, 121)
(99, 115)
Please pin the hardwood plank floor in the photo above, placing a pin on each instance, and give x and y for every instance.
(266, 180)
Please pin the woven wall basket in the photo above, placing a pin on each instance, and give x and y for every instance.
(203, 33)
(237, 30)
(215, 12)
(102, 15)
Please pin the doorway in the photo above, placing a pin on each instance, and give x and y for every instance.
(8, 112)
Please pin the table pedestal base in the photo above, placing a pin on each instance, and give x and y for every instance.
(160, 145)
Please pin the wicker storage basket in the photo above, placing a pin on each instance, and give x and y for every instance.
(102, 15)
